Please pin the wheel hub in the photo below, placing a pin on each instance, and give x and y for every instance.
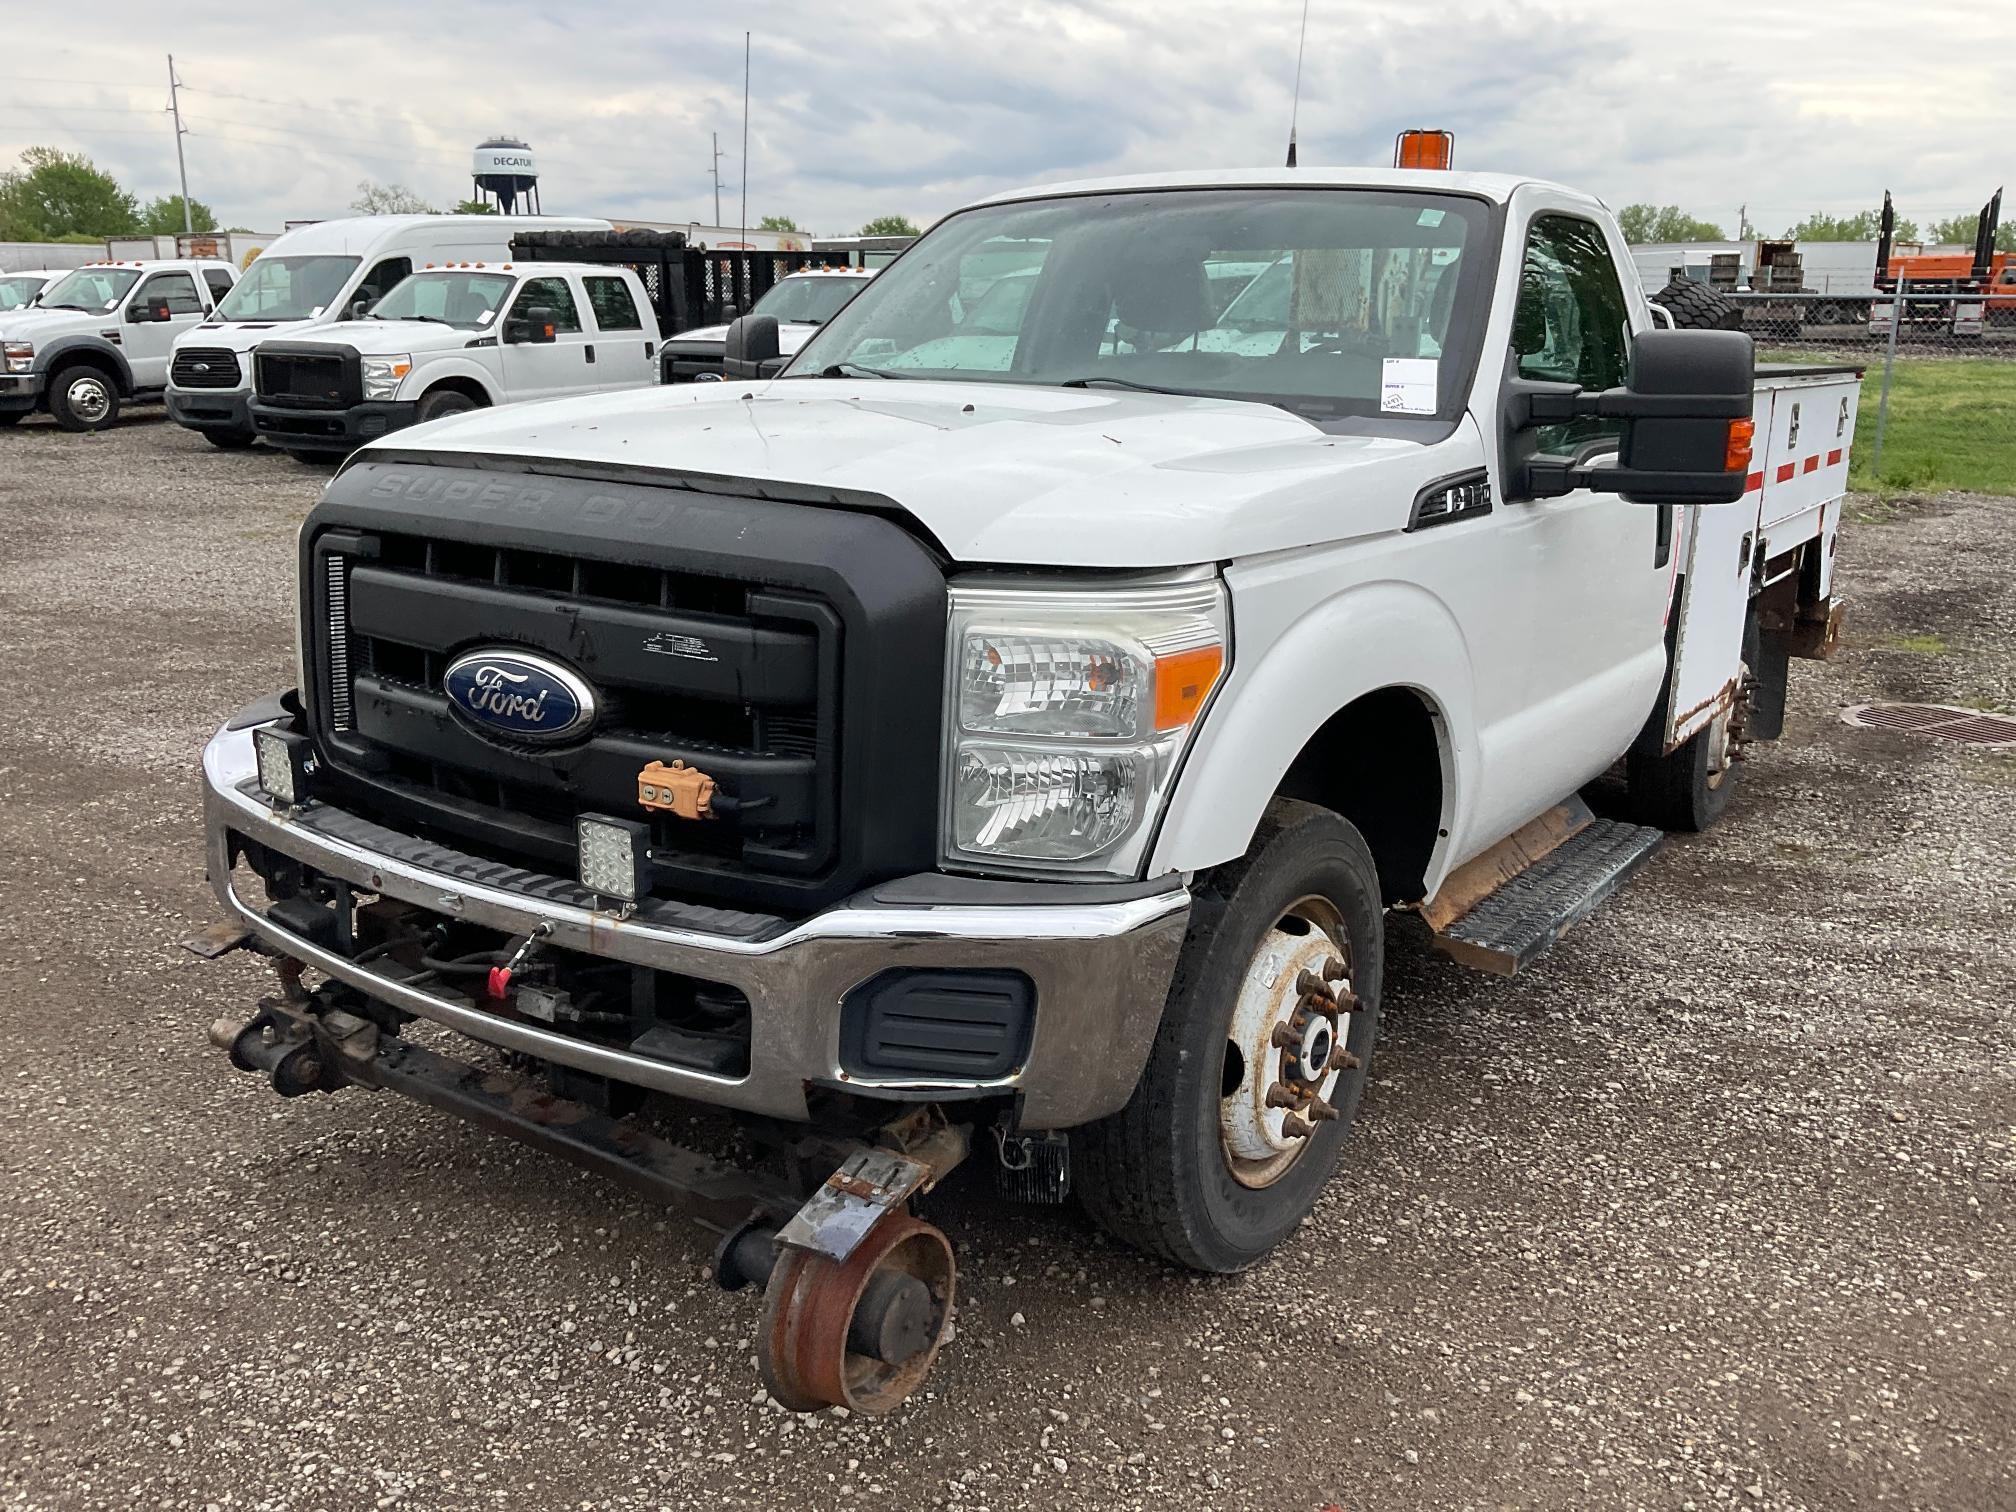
(89, 398)
(1288, 1032)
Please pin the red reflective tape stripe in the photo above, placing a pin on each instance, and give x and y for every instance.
(1786, 470)
(1834, 457)
(1813, 463)
(1754, 482)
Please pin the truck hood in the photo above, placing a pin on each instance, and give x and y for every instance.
(996, 473)
(791, 335)
(43, 325)
(376, 337)
(243, 335)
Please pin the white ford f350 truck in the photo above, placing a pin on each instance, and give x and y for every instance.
(99, 338)
(451, 339)
(1024, 757)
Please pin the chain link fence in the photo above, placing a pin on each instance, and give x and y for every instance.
(1921, 348)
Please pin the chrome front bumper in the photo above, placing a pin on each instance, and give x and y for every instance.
(1101, 970)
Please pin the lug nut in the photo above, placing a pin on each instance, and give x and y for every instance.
(1321, 1111)
(1283, 1036)
(1295, 1126)
(1334, 970)
(1279, 1096)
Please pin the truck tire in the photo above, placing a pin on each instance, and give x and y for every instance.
(1194, 1169)
(1696, 307)
(1689, 788)
(83, 397)
(230, 440)
(443, 402)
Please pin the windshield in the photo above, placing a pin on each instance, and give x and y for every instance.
(467, 300)
(91, 289)
(18, 289)
(1327, 302)
(808, 301)
(287, 288)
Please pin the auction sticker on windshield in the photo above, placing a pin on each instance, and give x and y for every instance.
(1407, 386)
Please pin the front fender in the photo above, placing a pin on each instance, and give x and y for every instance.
(1287, 681)
(426, 378)
(51, 357)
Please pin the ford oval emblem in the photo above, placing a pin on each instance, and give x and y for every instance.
(519, 696)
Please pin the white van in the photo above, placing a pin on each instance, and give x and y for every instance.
(316, 275)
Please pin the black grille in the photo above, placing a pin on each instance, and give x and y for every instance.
(204, 368)
(687, 361)
(736, 664)
(307, 378)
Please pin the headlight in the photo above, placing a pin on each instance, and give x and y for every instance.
(20, 356)
(383, 375)
(1069, 710)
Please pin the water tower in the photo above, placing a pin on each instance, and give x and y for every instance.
(505, 174)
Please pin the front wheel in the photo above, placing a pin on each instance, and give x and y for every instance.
(83, 399)
(1261, 1057)
(443, 402)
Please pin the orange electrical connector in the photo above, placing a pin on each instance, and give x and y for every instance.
(680, 790)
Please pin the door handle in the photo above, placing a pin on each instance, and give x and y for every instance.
(590, 350)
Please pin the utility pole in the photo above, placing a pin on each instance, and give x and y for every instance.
(1743, 222)
(181, 165)
(716, 171)
(745, 136)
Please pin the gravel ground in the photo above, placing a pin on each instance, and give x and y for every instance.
(1712, 1207)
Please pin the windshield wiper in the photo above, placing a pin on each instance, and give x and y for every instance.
(1126, 383)
(436, 319)
(855, 369)
(85, 308)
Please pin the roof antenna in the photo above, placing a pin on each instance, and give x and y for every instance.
(1295, 105)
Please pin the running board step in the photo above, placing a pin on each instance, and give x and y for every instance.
(1524, 913)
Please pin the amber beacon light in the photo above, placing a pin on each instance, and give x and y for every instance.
(1424, 149)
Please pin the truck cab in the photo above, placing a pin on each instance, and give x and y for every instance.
(22, 287)
(313, 276)
(799, 302)
(450, 339)
(99, 337)
(1023, 739)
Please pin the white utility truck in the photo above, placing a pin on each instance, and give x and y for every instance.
(800, 303)
(451, 339)
(99, 337)
(316, 275)
(1027, 758)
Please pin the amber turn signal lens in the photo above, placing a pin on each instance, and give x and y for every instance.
(1183, 680)
(1742, 433)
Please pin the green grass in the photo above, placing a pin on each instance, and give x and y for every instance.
(1921, 645)
(1952, 426)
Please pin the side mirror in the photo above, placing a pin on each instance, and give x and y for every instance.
(147, 314)
(751, 343)
(361, 306)
(1687, 430)
(534, 326)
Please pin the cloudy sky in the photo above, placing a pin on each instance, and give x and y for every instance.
(915, 106)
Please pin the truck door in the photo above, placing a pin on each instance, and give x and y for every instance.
(624, 353)
(146, 342)
(543, 369)
(1595, 572)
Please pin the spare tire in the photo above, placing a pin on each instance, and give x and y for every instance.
(1696, 307)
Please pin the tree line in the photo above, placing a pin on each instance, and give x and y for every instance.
(57, 196)
(1669, 223)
